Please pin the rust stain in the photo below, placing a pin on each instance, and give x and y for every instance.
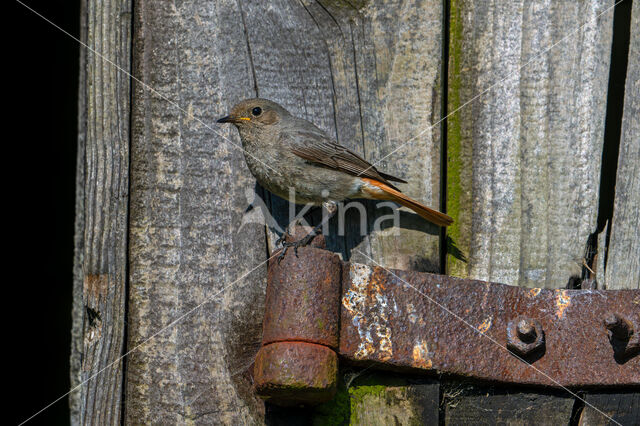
(486, 325)
(95, 287)
(411, 313)
(295, 287)
(534, 292)
(572, 358)
(562, 302)
(421, 358)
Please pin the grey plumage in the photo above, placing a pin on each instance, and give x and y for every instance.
(287, 154)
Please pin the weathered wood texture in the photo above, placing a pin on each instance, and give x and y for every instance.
(491, 406)
(623, 408)
(524, 156)
(623, 260)
(400, 404)
(622, 268)
(357, 72)
(368, 73)
(193, 270)
(101, 214)
(523, 160)
(369, 397)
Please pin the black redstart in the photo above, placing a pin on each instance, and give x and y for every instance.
(283, 152)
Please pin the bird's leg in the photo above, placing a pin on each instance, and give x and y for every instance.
(331, 208)
(286, 233)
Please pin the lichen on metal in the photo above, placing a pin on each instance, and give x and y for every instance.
(369, 308)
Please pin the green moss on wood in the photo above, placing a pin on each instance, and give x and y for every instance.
(336, 411)
(455, 265)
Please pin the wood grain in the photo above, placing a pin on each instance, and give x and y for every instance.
(101, 214)
(197, 278)
(623, 407)
(623, 260)
(622, 268)
(490, 406)
(163, 203)
(525, 148)
(189, 234)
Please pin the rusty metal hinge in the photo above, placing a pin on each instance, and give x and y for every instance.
(319, 309)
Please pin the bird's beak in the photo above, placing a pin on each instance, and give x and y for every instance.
(232, 119)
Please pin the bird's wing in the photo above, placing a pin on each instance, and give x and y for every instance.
(317, 148)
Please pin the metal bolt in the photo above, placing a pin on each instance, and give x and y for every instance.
(620, 328)
(524, 336)
(526, 331)
(624, 340)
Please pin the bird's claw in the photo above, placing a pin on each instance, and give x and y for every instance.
(296, 244)
(281, 239)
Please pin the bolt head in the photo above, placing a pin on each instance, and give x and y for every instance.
(526, 330)
(524, 336)
(611, 320)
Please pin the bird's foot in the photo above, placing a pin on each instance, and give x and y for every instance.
(283, 238)
(302, 242)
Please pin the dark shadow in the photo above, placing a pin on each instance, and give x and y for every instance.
(622, 350)
(453, 249)
(334, 412)
(615, 108)
(533, 356)
(275, 212)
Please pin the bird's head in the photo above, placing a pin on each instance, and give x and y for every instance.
(255, 113)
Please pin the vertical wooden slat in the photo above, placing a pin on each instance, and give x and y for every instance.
(101, 214)
(190, 260)
(623, 260)
(622, 268)
(524, 158)
(525, 149)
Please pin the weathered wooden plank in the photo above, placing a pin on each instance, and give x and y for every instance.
(368, 73)
(623, 260)
(77, 311)
(101, 214)
(623, 408)
(491, 406)
(622, 269)
(187, 255)
(386, 403)
(525, 147)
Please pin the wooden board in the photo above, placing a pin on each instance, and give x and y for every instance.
(190, 266)
(623, 260)
(368, 397)
(623, 408)
(525, 147)
(491, 406)
(525, 135)
(100, 275)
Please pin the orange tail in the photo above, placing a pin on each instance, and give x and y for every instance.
(382, 191)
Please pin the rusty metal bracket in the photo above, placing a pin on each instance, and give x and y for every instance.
(318, 307)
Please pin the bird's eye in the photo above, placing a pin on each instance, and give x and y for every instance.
(256, 111)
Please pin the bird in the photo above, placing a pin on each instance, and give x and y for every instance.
(294, 159)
